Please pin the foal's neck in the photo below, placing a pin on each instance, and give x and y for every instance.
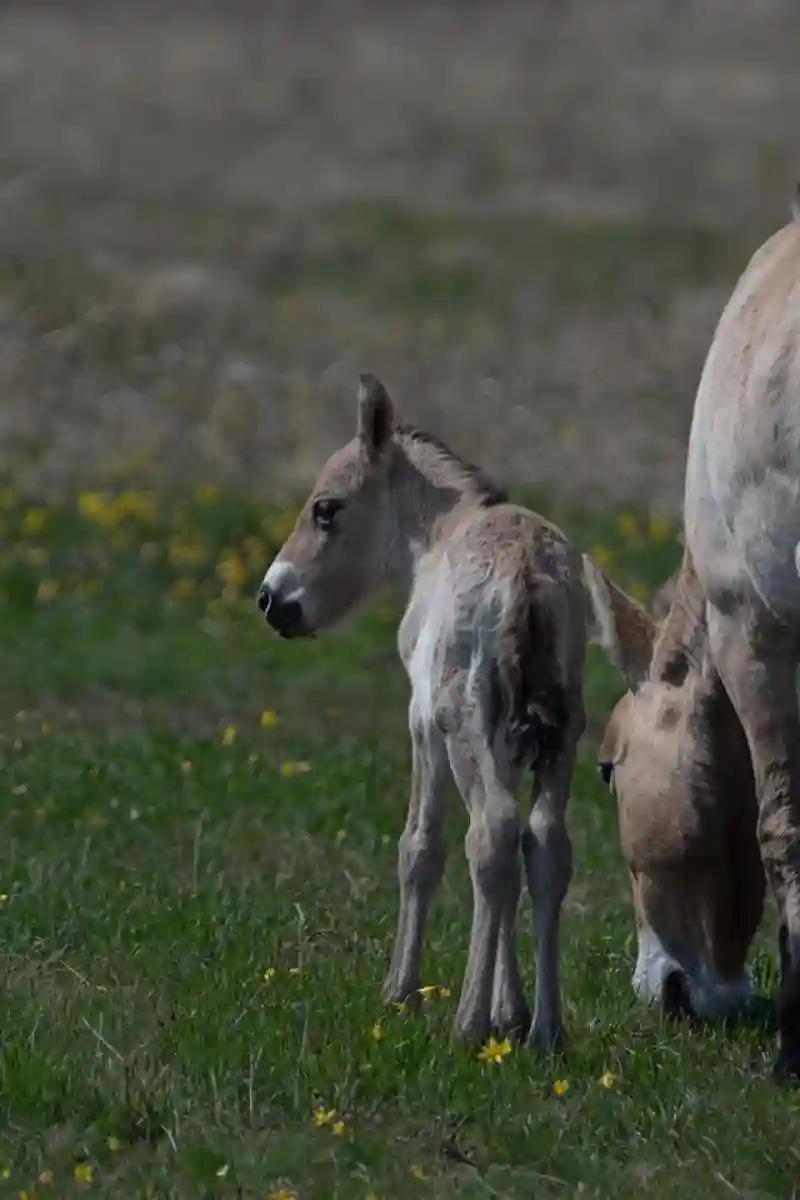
(433, 491)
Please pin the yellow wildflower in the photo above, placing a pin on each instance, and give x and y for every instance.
(338, 1129)
(96, 507)
(324, 1116)
(84, 1173)
(561, 1087)
(602, 556)
(181, 553)
(229, 735)
(207, 493)
(269, 718)
(417, 1171)
(34, 522)
(608, 1080)
(659, 530)
(46, 1176)
(290, 768)
(47, 591)
(114, 1144)
(378, 1032)
(628, 525)
(282, 1194)
(269, 975)
(233, 570)
(434, 991)
(140, 506)
(182, 589)
(494, 1051)
(400, 1005)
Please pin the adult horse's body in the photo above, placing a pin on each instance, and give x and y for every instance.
(742, 521)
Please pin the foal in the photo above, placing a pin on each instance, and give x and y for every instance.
(493, 641)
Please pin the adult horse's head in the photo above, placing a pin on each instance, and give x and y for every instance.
(675, 756)
(338, 550)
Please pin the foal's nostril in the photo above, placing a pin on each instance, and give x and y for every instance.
(264, 598)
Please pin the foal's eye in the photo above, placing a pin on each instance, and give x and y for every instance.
(606, 770)
(324, 511)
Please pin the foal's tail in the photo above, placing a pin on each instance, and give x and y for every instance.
(530, 704)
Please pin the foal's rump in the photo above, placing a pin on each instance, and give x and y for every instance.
(528, 649)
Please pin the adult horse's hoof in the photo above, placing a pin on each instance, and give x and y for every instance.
(787, 1064)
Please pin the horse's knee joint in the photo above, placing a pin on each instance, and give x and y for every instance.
(492, 844)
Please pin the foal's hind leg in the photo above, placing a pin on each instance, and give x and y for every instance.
(421, 856)
(548, 863)
(509, 1012)
(492, 846)
(759, 675)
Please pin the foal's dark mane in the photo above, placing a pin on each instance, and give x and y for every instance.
(489, 493)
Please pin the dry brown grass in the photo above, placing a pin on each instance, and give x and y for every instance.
(525, 217)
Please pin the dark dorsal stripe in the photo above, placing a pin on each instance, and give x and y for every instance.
(488, 491)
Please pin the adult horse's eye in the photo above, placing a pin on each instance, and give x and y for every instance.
(324, 511)
(606, 770)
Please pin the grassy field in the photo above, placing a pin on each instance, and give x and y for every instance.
(197, 902)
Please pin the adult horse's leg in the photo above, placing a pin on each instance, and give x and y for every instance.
(421, 856)
(756, 662)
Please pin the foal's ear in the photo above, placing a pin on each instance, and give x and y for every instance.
(375, 416)
(620, 625)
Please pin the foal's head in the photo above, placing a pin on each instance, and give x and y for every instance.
(338, 550)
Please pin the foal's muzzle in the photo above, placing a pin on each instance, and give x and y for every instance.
(285, 616)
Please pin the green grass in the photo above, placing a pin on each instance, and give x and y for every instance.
(151, 874)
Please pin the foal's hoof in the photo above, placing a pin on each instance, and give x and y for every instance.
(514, 1025)
(399, 996)
(787, 1067)
(787, 1064)
(548, 1039)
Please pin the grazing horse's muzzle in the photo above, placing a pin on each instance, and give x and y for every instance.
(285, 616)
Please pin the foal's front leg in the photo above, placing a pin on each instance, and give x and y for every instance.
(421, 856)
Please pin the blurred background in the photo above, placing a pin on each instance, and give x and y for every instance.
(525, 217)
